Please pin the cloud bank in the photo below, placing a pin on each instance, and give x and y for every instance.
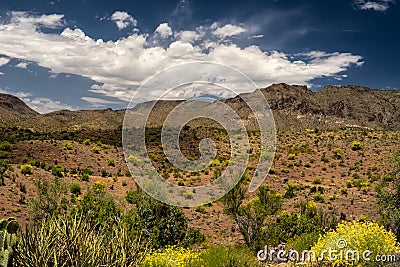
(119, 67)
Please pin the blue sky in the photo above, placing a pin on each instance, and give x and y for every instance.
(84, 54)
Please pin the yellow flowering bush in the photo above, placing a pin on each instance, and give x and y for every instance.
(351, 239)
(172, 256)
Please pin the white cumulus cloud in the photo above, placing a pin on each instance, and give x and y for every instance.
(123, 19)
(164, 30)
(22, 65)
(229, 30)
(187, 36)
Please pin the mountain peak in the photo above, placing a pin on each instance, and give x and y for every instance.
(16, 105)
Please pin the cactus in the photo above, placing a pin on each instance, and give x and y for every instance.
(8, 230)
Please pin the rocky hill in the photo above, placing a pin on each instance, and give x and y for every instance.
(13, 110)
(333, 107)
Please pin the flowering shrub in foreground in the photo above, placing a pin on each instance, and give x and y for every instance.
(172, 256)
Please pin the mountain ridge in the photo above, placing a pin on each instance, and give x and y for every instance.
(293, 106)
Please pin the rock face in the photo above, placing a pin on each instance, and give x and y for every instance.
(293, 106)
(334, 107)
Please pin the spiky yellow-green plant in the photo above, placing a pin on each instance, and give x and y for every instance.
(73, 241)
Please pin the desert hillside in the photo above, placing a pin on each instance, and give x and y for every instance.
(335, 155)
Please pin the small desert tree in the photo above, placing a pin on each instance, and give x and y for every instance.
(4, 165)
(250, 217)
(51, 200)
(389, 200)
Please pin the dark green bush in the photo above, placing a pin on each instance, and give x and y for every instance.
(57, 170)
(5, 146)
(163, 224)
(75, 188)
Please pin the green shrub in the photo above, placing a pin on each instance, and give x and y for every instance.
(163, 224)
(50, 201)
(337, 153)
(290, 189)
(26, 169)
(3, 155)
(307, 165)
(343, 190)
(111, 162)
(317, 180)
(22, 187)
(285, 170)
(153, 157)
(67, 146)
(75, 188)
(387, 178)
(104, 173)
(57, 170)
(86, 142)
(99, 187)
(291, 156)
(131, 196)
(250, 217)
(38, 164)
(324, 158)
(319, 197)
(362, 184)
(193, 236)
(201, 209)
(287, 227)
(349, 183)
(96, 149)
(5, 146)
(85, 177)
(356, 145)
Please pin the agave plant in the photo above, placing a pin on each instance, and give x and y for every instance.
(73, 241)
